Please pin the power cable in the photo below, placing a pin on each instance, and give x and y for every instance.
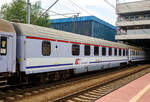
(80, 7)
(46, 11)
(58, 14)
(110, 4)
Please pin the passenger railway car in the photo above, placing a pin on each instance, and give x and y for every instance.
(29, 52)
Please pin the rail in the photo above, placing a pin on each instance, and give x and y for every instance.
(95, 92)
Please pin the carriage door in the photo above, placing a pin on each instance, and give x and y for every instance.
(5, 53)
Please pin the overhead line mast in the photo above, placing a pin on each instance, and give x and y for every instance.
(28, 11)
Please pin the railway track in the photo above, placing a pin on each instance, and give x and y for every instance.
(97, 91)
(71, 90)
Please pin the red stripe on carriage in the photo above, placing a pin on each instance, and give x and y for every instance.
(39, 38)
(29, 37)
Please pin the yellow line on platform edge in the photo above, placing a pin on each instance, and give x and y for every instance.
(140, 94)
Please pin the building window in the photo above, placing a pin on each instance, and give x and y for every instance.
(110, 51)
(75, 50)
(119, 52)
(46, 48)
(3, 46)
(96, 51)
(115, 52)
(87, 50)
(103, 51)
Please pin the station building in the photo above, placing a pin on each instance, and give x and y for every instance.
(86, 25)
(133, 22)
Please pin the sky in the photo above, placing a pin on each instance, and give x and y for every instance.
(98, 8)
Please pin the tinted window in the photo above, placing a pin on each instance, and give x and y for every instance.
(124, 52)
(103, 51)
(75, 50)
(96, 50)
(119, 52)
(127, 52)
(3, 46)
(110, 51)
(115, 52)
(134, 53)
(87, 50)
(46, 48)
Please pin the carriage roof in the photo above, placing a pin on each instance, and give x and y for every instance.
(6, 26)
(37, 31)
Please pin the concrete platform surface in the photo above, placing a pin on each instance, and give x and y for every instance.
(135, 91)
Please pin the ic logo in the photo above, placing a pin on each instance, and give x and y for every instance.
(77, 61)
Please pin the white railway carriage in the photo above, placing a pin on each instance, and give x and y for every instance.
(30, 51)
(43, 49)
(7, 47)
(136, 54)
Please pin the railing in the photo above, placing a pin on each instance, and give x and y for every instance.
(134, 31)
(134, 18)
(126, 1)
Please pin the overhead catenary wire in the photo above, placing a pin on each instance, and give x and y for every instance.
(110, 4)
(80, 7)
(58, 14)
(62, 14)
(59, 6)
(46, 11)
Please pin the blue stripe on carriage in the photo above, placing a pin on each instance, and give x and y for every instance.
(109, 61)
(138, 58)
(31, 67)
(56, 65)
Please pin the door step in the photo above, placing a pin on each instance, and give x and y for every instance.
(3, 81)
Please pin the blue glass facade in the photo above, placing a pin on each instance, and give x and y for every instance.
(87, 25)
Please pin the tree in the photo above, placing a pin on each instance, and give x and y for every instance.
(17, 10)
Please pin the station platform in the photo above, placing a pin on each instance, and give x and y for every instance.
(136, 91)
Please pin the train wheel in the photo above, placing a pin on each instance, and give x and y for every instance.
(64, 74)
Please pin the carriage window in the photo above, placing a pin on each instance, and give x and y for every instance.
(110, 51)
(96, 50)
(75, 50)
(134, 53)
(3, 46)
(87, 50)
(124, 52)
(46, 48)
(103, 51)
(115, 52)
(137, 53)
(119, 52)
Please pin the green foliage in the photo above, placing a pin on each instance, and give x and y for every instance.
(18, 10)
